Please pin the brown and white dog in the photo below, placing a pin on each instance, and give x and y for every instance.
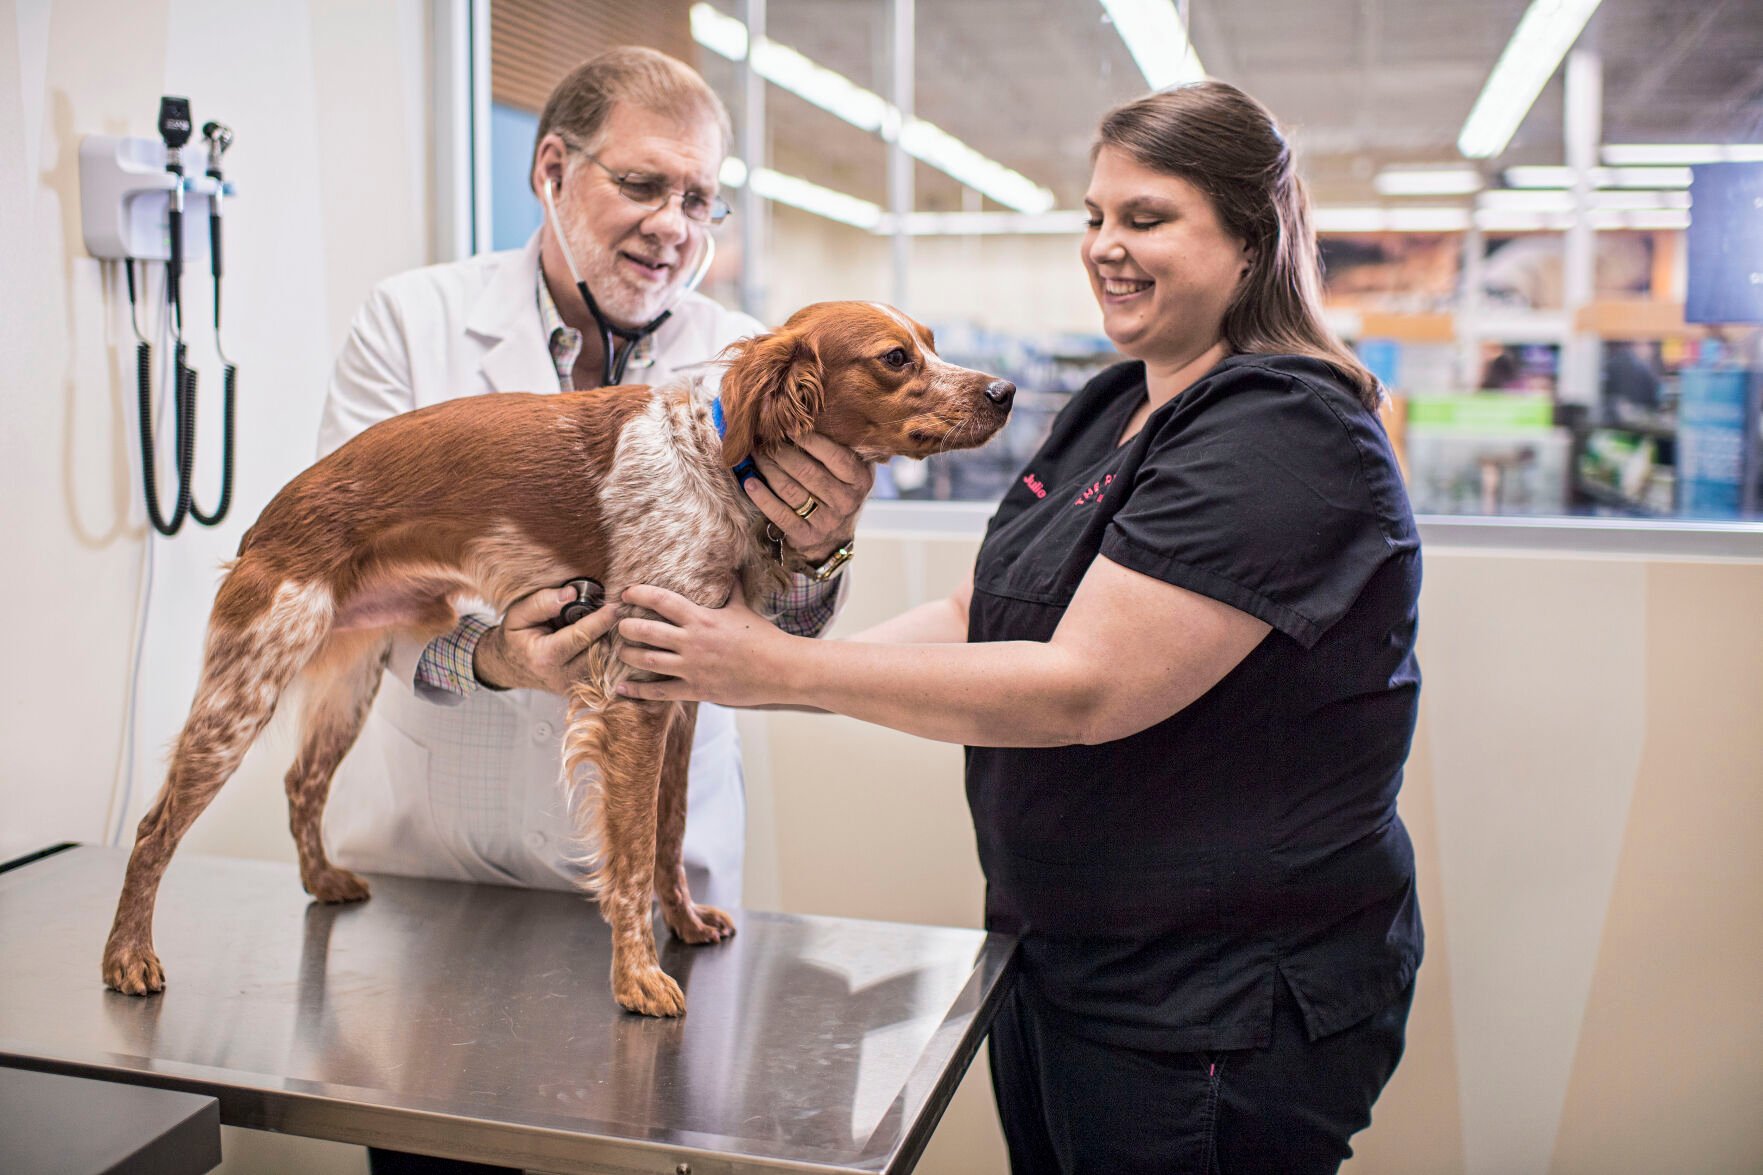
(493, 497)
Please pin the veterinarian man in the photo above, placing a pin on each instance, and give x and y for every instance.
(456, 773)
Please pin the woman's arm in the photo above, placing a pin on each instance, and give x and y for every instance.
(1130, 651)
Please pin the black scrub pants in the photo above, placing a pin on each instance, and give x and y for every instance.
(1071, 1106)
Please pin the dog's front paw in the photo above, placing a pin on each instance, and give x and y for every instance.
(648, 991)
(699, 924)
(133, 970)
(337, 885)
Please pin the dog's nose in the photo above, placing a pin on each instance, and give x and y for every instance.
(1001, 392)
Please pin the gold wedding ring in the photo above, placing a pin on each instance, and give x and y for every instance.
(807, 508)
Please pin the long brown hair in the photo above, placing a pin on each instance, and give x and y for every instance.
(1225, 143)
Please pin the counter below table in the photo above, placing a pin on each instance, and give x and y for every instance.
(476, 1022)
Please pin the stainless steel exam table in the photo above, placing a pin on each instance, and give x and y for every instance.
(476, 1022)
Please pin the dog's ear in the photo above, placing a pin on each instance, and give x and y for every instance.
(772, 392)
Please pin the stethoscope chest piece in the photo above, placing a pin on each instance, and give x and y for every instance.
(589, 596)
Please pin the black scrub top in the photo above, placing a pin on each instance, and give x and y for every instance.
(1164, 882)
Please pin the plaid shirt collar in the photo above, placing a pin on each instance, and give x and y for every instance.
(566, 341)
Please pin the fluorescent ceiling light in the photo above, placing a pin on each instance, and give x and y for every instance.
(840, 96)
(1682, 154)
(1521, 220)
(1346, 219)
(1428, 220)
(1561, 200)
(1066, 221)
(1640, 218)
(946, 153)
(1442, 218)
(833, 92)
(722, 35)
(1644, 177)
(1527, 199)
(1427, 181)
(1510, 211)
(1602, 177)
(800, 193)
(1664, 218)
(1157, 39)
(811, 197)
(1640, 200)
(1602, 219)
(1546, 31)
(1541, 176)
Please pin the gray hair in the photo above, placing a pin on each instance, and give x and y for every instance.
(578, 108)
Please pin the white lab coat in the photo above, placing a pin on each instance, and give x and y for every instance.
(469, 789)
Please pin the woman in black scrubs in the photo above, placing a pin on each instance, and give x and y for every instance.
(1184, 672)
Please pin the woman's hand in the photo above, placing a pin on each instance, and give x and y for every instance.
(730, 655)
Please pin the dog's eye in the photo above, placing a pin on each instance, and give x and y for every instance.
(897, 358)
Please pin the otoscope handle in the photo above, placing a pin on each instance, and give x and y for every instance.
(214, 241)
(174, 267)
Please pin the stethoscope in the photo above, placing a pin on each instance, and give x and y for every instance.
(612, 361)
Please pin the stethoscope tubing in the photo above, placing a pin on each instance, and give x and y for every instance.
(613, 362)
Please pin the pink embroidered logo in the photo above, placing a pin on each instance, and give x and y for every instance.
(1094, 493)
(1034, 485)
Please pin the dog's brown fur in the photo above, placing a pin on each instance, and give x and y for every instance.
(493, 497)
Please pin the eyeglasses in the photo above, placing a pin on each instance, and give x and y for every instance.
(653, 192)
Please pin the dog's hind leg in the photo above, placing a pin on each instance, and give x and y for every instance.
(340, 684)
(626, 738)
(690, 923)
(260, 634)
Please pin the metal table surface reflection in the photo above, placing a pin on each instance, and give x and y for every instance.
(476, 1021)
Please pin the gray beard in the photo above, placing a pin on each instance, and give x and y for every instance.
(618, 301)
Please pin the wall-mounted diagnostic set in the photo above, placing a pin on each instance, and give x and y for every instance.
(137, 196)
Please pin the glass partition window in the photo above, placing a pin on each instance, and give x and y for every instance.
(1561, 294)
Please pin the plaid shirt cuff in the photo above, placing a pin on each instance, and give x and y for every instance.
(807, 606)
(445, 665)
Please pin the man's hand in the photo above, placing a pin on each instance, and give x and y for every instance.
(523, 653)
(835, 477)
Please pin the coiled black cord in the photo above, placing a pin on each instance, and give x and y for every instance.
(186, 444)
(230, 382)
(226, 450)
(183, 410)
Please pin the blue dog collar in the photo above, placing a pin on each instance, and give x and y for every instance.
(746, 468)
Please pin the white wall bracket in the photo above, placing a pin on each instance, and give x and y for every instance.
(125, 195)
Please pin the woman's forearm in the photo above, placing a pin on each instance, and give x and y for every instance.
(1000, 694)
